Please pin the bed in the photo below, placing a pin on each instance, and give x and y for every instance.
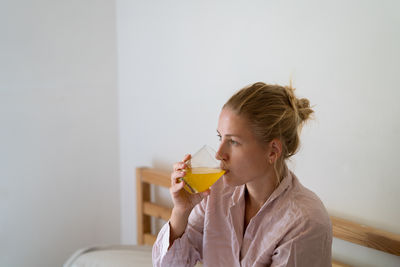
(140, 255)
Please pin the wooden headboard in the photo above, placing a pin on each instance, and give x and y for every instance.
(343, 229)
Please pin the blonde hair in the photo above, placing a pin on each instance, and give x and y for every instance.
(273, 111)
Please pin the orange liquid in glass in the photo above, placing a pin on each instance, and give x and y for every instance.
(201, 178)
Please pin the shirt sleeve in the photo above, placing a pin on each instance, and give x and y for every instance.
(186, 250)
(308, 245)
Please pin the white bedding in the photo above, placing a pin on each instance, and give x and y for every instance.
(116, 256)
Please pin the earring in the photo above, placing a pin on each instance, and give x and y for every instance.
(270, 161)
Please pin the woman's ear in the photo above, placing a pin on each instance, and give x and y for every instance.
(275, 150)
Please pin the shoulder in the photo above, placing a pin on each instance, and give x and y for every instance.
(307, 209)
(305, 226)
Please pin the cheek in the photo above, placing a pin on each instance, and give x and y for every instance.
(249, 166)
(240, 169)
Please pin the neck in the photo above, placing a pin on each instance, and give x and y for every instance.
(258, 191)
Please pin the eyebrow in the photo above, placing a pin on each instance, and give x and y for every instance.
(229, 135)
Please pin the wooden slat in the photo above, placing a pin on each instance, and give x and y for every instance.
(139, 207)
(339, 264)
(157, 211)
(143, 194)
(157, 177)
(366, 236)
(149, 239)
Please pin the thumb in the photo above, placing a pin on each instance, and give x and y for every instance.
(206, 193)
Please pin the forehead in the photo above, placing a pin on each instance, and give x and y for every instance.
(231, 123)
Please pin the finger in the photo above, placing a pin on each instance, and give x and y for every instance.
(176, 175)
(182, 164)
(197, 198)
(206, 193)
(179, 166)
(187, 157)
(177, 187)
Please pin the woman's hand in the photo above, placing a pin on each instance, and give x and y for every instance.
(183, 201)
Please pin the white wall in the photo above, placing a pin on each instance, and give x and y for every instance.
(179, 61)
(59, 173)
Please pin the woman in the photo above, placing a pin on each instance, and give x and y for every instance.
(258, 214)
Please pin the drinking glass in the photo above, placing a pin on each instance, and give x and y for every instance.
(203, 170)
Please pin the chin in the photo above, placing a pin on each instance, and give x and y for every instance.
(229, 180)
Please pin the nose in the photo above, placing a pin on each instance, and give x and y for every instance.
(221, 153)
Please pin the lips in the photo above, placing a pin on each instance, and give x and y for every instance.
(225, 169)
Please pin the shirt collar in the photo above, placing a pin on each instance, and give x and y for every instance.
(283, 185)
(238, 193)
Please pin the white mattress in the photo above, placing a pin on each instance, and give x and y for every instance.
(116, 256)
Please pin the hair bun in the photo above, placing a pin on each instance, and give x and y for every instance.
(303, 108)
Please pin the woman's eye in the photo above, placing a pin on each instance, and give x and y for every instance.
(233, 142)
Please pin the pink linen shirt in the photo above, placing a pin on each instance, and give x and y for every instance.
(292, 228)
